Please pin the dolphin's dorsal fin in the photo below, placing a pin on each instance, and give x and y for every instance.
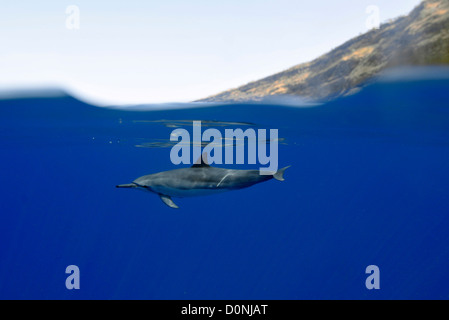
(168, 201)
(202, 161)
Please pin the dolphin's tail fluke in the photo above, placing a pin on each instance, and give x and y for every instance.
(279, 175)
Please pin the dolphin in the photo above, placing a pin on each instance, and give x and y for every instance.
(200, 179)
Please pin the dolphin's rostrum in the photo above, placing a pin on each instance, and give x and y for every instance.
(200, 179)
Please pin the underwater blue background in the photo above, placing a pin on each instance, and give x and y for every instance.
(369, 184)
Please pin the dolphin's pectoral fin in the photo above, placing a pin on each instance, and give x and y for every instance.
(168, 201)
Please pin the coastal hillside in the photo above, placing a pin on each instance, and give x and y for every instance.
(420, 38)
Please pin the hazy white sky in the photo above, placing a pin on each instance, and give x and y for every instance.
(128, 52)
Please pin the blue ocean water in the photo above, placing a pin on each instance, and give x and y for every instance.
(369, 185)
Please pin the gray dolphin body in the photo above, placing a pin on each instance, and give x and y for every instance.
(200, 179)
